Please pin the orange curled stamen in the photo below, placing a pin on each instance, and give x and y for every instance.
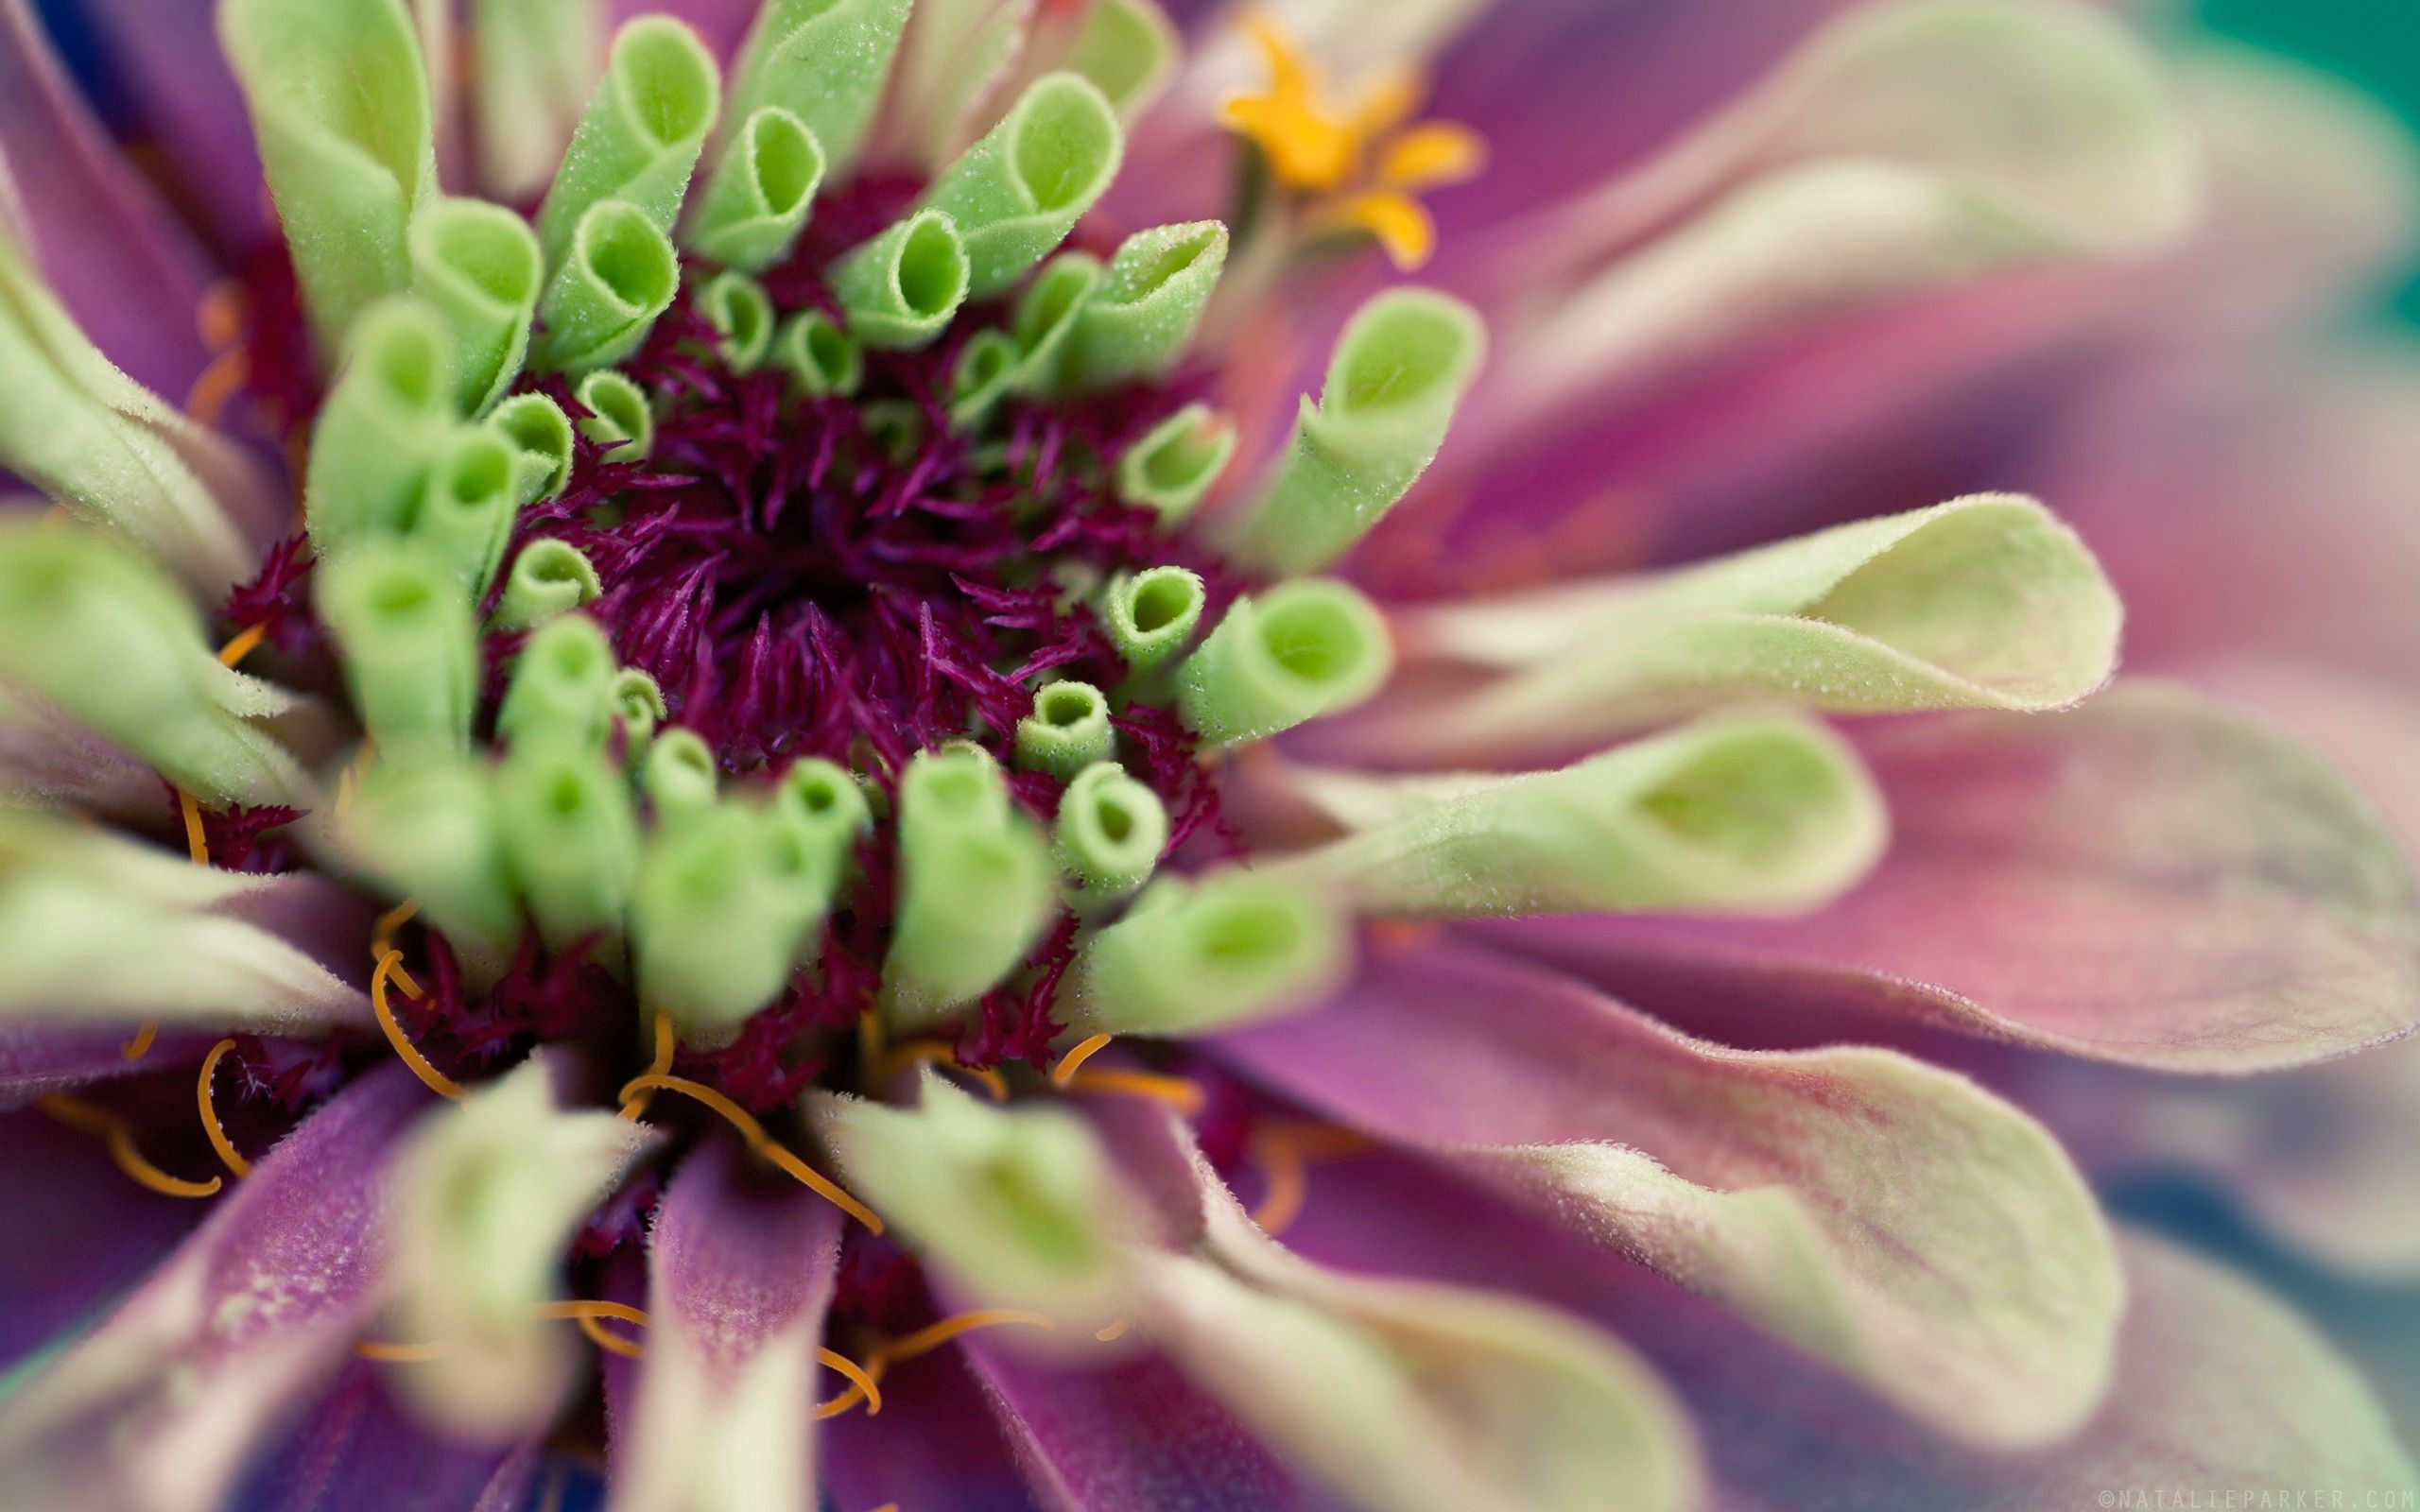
(206, 402)
(864, 1384)
(634, 1107)
(437, 1081)
(114, 1132)
(215, 1131)
(401, 1353)
(244, 644)
(196, 838)
(934, 1053)
(759, 1141)
(933, 1335)
(590, 1317)
(1073, 1062)
(1177, 1092)
(1115, 1331)
(1284, 1153)
(140, 1046)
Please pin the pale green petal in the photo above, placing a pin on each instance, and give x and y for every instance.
(87, 435)
(1415, 1396)
(1302, 650)
(1177, 462)
(986, 371)
(1399, 372)
(540, 435)
(466, 507)
(900, 289)
(742, 314)
(622, 275)
(1128, 48)
(1044, 320)
(1736, 815)
(1016, 193)
(72, 898)
(976, 886)
(1068, 731)
(639, 139)
(550, 577)
(1016, 1207)
(1137, 325)
(571, 841)
(1906, 146)
(761, 192)
(489, 1193)
(1152, 616)
(560, 689)
(477, 266)
(341, 103)
(620, 417)
(426, 828)
(379, 434)
(1985, 601)
(953, 55)
(1109, 834)
(536, 61)
(402, 615)
(1195, 956)
(714, 929)
(823, 361)
(823, 61)
(102, 636)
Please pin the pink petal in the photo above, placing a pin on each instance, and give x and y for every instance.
(1136, 1433)
(356, 1449)
(935, 1444)
(79, 1231)
(185, 98)
(2153, 880)
(1891, 1218)
(738, 1286)
(104, 243)
(38, 1059)
(160, 1406)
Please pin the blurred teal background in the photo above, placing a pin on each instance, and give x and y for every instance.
(2374, 44)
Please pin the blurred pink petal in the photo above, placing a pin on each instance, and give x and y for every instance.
(357, 1448)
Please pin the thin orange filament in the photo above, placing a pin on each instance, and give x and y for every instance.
(1073, 1062)
(437, 1082)
(922, 1342)
(1115, 1331)
(935, 1052)
(590, 1317)
(661, 1065)
(762, 1143)
(865, 1381)
(114, 1132)
(1177, 1092)
(206, 402)
(196, 838)
(228, 1155)
(243, 644)
(140, 1046)
(1284, 1152)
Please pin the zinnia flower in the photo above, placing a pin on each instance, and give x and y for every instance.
(821, 794)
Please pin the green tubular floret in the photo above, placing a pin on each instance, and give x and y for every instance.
(620, 278)
(1399, 371)
(677, 774)
(1299, 651)
(540, 435)
(1190, 956)
(562, 686)
(1016, 193)
(465, 510)
(712, 936)
(339, 101)
(824, 805)
(477, 266)
(976, 886)
(571, 839)
(1068, 731)
(1148, 307)
(1151, 615)
(986, 371)
(550, 577)
(1045, 319)
(426, 827)
(824, 361)
(391, 411)
(1109, 834)
(742, 315)
(1128, 48)
(760, 193)
(1177, 462)
(826, 61)
(402, 616)
(620, 420)
(900, 289)
(94, 629)
(1743, 814)
(639, 139)
(637, 701)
